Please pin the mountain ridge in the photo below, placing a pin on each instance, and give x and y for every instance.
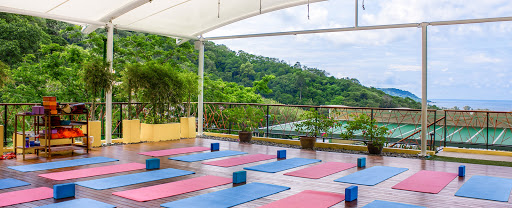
(400, 93)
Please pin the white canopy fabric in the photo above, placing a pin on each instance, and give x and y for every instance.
(185, 19)
(176, 18)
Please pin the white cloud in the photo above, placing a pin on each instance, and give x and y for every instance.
(481, 58)
(392, 58)
(403, 68)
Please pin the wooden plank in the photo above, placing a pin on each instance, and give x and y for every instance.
(382, 191)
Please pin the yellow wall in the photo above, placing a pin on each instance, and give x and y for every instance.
(95, 131)
(342, 141)
(188, 127)
(164, 132)
(475, 151)
(159, 132)
(131, 131)
(146, 132)
(323, 145)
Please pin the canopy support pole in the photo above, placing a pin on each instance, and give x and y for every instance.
(357, 14)
(110, 58)
(200, 73)
(424, 112)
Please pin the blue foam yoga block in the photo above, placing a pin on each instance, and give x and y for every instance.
(240, 176)
(351, 193)
(152, 163)
(281, 154)
(361, 162)
(214, 146)
(462, 171)
(61, 191)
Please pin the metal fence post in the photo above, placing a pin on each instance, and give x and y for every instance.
(267, 119)
(445, 128)
(5, 126)
(487, 130)
(229, 130)
(435, 122)
(316, 119)
(120, 130)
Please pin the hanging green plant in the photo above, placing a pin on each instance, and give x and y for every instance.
(190, 88)
(97, 77)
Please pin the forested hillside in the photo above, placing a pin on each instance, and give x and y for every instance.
(295, 84)
(46, 57)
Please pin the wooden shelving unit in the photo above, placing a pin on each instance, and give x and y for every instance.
(41, 133)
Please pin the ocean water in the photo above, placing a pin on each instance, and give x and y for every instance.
(493, 105)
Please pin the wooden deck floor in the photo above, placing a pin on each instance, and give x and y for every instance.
(382, 191)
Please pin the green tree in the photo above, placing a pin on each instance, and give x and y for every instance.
(20, 35)
(262, 85)
(4, 74)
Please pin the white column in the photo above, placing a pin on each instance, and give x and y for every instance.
(424, 89)
(108, 107)
(200, 96)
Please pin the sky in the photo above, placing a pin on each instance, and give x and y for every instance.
(472, 61)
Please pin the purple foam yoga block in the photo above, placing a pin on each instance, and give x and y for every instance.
(54, 131)
(37, 110)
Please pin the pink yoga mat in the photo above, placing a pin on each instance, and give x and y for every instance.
(308, 199)
(23, 196)
(426, 181)
(240, 160)
(322, 170)
(176, 151)
(88, 172)
(173, 188)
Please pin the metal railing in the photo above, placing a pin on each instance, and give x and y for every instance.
(119, 112)
(479, 129)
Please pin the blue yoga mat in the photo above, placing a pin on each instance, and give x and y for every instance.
(371, 176)
(125, 180)
(61, 164)
(386, 204)
(228, 197)
(281, 165)
(486, 187)
(207, 156)
(80, 203)
(11, 183)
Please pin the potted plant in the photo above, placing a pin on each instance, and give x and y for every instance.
(160, 86)
(371, 132)
(248, 119)
(190, 90)
(313, 124)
